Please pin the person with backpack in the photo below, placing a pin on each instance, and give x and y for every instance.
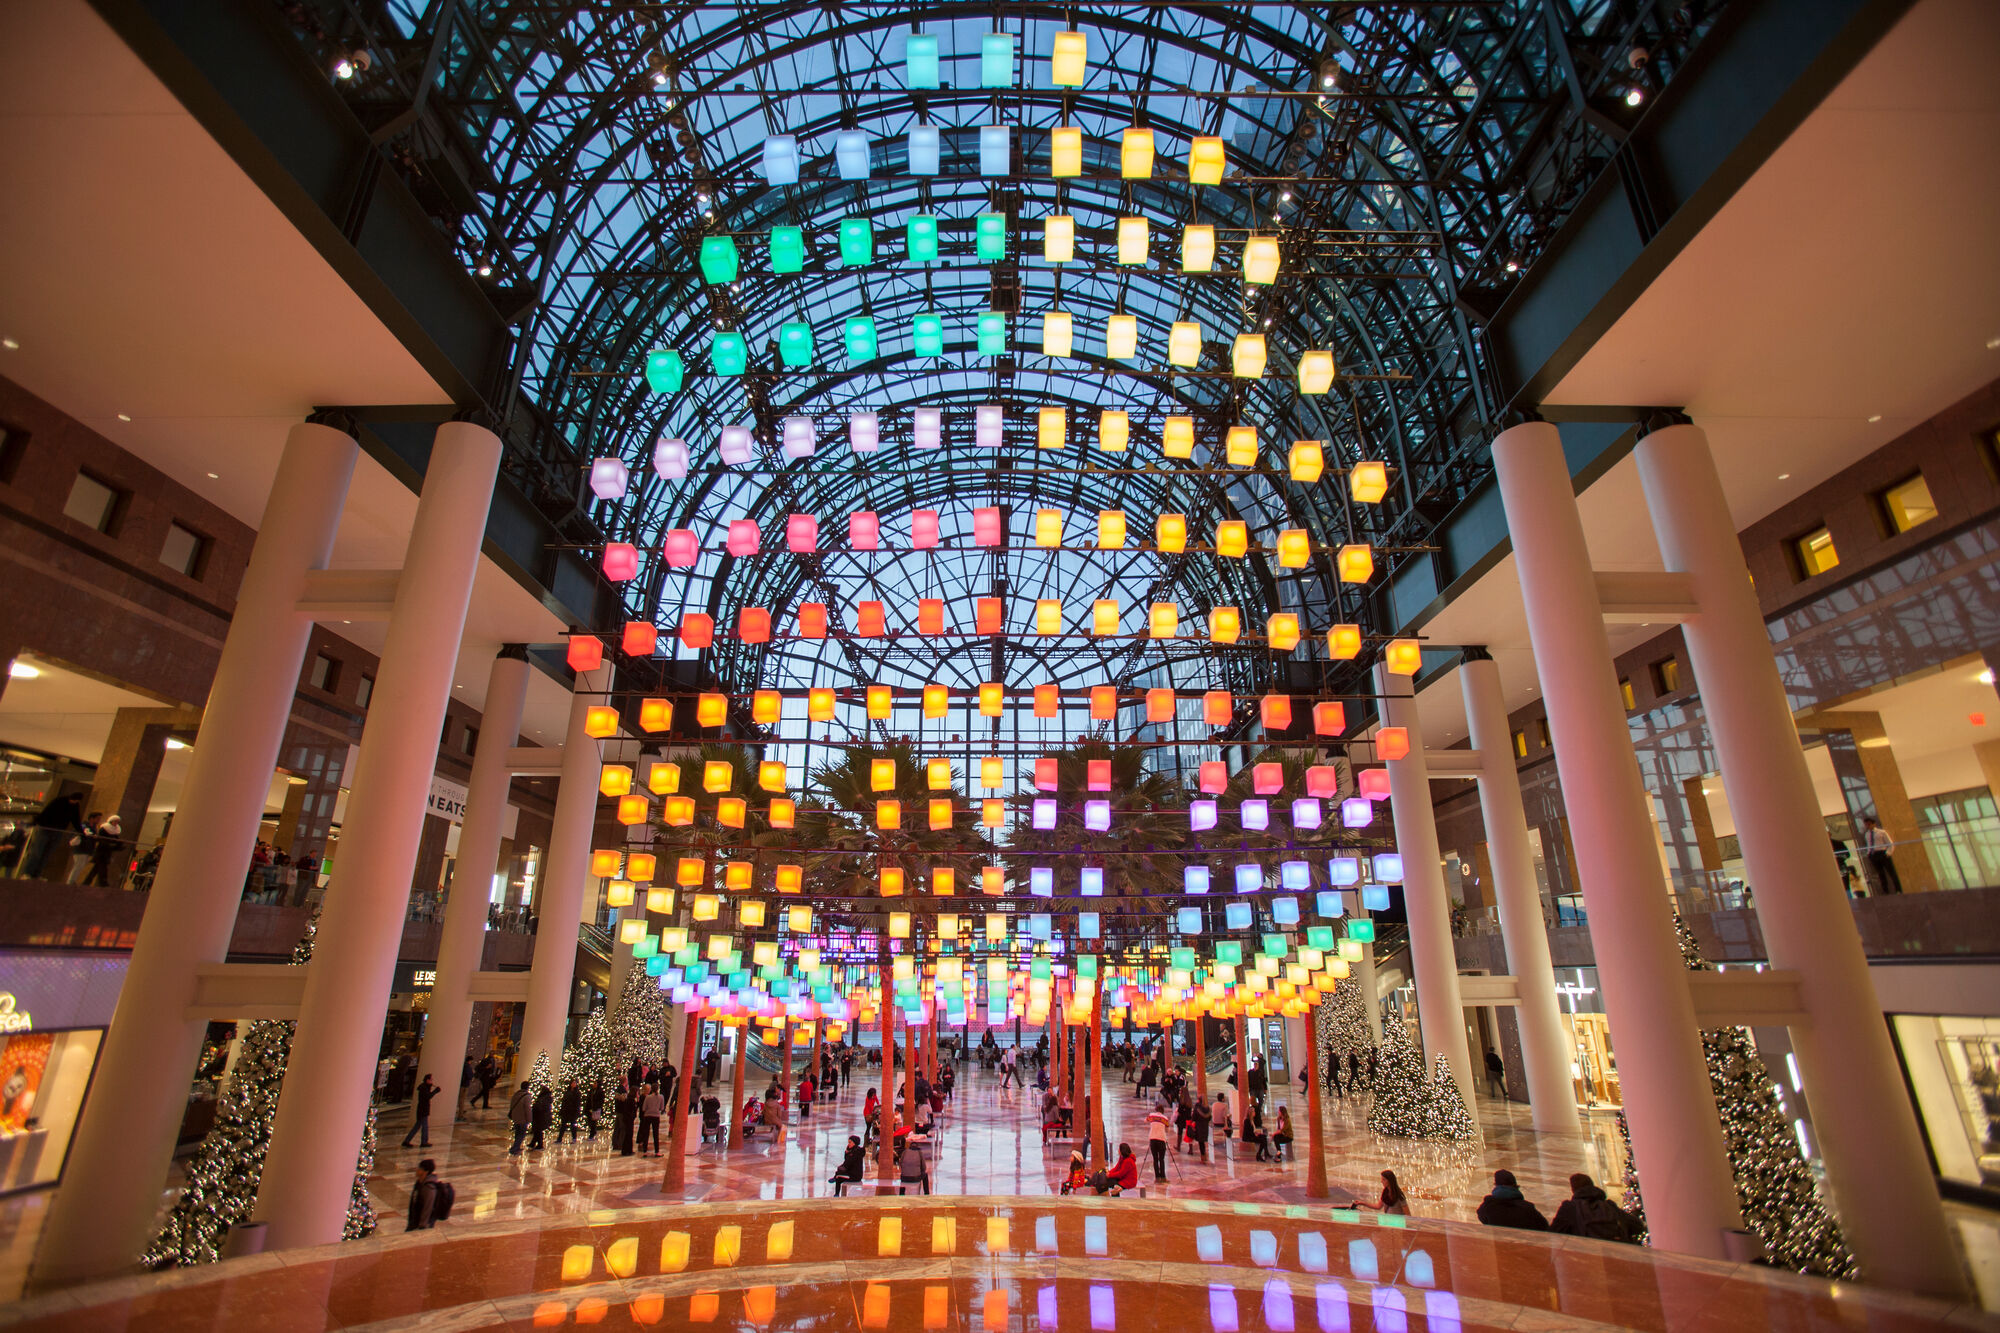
(1589, 1212)
(1506, 1206)
(1157, 1125)
(427, 1091)
(430, 1198)
(520, 1111)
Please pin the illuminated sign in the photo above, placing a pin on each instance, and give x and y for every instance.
(11, 1018)
(424, 977)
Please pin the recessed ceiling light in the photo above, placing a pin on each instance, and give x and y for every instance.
(22, 671)
(1992, 344)
(1784, 476)
(1877, 417)
(10, 344)
(123, 417)
(215, 476)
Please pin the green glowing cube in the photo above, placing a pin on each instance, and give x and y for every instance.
(788, 250)
(860, 339)
(1086, 965)
(665, 370)
(992, 237)
(1182, 958)
(1040, 970)
(857, 241)
(1361, 928)
(992, 334)
(996, 60)
(1319, 937)
(927, 333)
(795, 343)
(718, 258)
(1275, 946)
(729, 354)
(1230, 952)
(920, 235)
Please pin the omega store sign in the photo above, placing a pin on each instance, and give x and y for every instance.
(54, 1008)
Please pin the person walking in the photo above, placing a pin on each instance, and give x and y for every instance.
(543, 1115)
(424, 1197)
(488, 1073)
(593, 1106)
(62, 815)
(1260, 1082)
(1506, 1206)
(571, 1111)
(105, 842)
(1877, 846)
(1008, 1061)
(421, 1124)
(1496, 1075)
(1354, 1071)
(520, 1112)
(1158, 1127)
(651, 1108)
(1200, 1127)
(1333, 1072)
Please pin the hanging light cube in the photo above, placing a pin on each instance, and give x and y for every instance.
(670, 459)
(1368, 482)
(1282, 631)
(633, 809)
(1114, 431)
(937, 774)
(1201, 816)
(621, 561)
(937, 700)
(1329, 718)
(1275, 711)
(1069, 59)
(1066, 151)
(680, 548)
(753, 624)
(992, 698)
(1306, 461)
(1184, 344)
(851, 155)
(1218, 709)
(1316, 371)
(665, 371)
(871, 620)
(860, 336)
(788, 250)
(996, 60)
(991, 333)
(798, 437)
(1306, 815)
(1057, 333)
(1392, 743)
(881, 775)
(1104, 616)
(920, 60)
(1048, 527)
(923, 529)
(878, 701)
(608, 477)
(697, 630)
(819, 704)
(1260, 260)
(1322, 779)
(1206, 160)
(728, 354)
(927, 336)
(1135, 154)
(586, 652)
(1402, 657)
(1246, 358)
(1103, 703)
(614, 780)
(1121, 337)
(1356, 812)
(781, 159)
(1045, 700)
(718, 259)
(1294, 548)
(1170, 533)
(864, 432)
(1110, 529)
(711, 710)
(923, 144)
(1343, 642)
(989, 615)
(996, 150)
(1052, 427)
(988, 427)
(1255, 815)
(1133, 238)
(1159, 703)
(987, 527)
(1356, 563)
(1232, 538)
(1389, 867)
(743, 537)
(1163, 620)
(1198, 248)
(1044, 813)
(771, 774)
(1048, 616)
(812, 620)
(1225, 625)
(930, 615)
(801, 534)
(990, 773)
(990, 237)
(656, 715)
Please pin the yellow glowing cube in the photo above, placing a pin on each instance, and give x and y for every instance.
(711, 710)
(1206, 160)
(1051, 427)
(621, 1258)
(1110, 529)
(728, 1246)
(1368, 482)
(678, 811)
(1058, 333)
(771, 774)
(1114, 431)
(706, 907)
(1198, 248)
(1356, 563)
(717, 775)
(1184, 344)
(1343, 642)
(1282, 629)
(1066, 151)
(730, 811)
(1104, 616)
(882, 775)
(819, 704)
(888, 814)
(937, 774)
(751, 913)
(660, 902)
(1133, 236)
(1316, 371)
(799, 919)
(1232, 538)
(991, 768)
(618, 893)
(936, 700)
(600, 722)
(632, 809)
(1294, 548)
(1170, 532)
(1048, 527)
(1121, 337)
(944, 1235)
(604, 862)
(1068, 61)
(940, 815)
(778, 1243)
(578, 1262)
(766, 706)
(1239, 446)
(1048, 616)
(656, 714)
(1135, 154)
(878, 703)
(1307, 461)
(1246, 357)
(791, 878)
(992, 698)
(996, 1235)
(1059, 238)
(664, 779)
(674, 1248)
(764, 952)
(1177, 437)
(1225, 625)
(899, 925)
(1403, 657)
(992, 813)
(1260, 260)
(1163, 620)
(783, 813)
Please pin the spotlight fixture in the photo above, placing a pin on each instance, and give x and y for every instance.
(1329, 74)
(486, 270)
(1513, 264)
(1635, 96)
(659, 78)
(352, 63)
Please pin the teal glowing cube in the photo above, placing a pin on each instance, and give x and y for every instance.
(1182, 958)
(665, 371)
(860, 339)
(729, 354)
(992, 334)
(1039, 969)
(1274, 945)
(1320, 937)
(991, 234)
(656, 966)
(1361, 928)
(920, 60)
(646, 947)
(857, 241)
(788, 250)
(795, 343)
(1230, 952)
(1086, 965)
(718, 258)
(927, 335)
(996, 60)
(920, 236)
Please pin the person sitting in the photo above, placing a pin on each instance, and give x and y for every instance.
(1123, 1176)
(711, 1117)
(1076, 1178)
(852, 1165)
(1589, 1212)
(1282, 1137)
(1393, 1199)
(1222, 1121)
(922, 1119)
(1506, 1206)
(912, 1167)
(1254, 1132)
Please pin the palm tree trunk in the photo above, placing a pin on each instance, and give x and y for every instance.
(1315, 1139)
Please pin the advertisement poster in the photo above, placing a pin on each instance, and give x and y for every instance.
(24, 1057)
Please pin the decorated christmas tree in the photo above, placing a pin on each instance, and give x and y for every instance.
(227, 1168)
(538, 1078)
(588, 1058)
(1775, 1188)
(638, 1024)
(1343, 1026)
(1409, 1104)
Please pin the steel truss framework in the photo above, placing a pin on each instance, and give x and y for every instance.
(1410, 156)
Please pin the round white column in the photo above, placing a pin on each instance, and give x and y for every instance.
(559, 899)
(1873, 1150)
(462, 942)
(316, 1132)
(1676, 1134)
(1544, 1049)
(1440, 1012)
(100, 1218)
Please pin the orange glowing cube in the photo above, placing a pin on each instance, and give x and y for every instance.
(1170, 533)
(604, 862)
(1307, 461)
(1104, 616)
(784, 813)
(633, 809)
(992, 879)
(1177, 433)
(1103, 703)
(882, 775)
(771, 774)
(717, 775)
(1368, 482)
(730, 811)
(1163, 621)
(1403, 657)
(940, 815)
(993, 813)
(641, 866)
(1218, 707)
(990, 616)
(989, 773)
(738, 875)
(1294, 548)
(1232, 538)
(1277, 711)
(930, 615)
(711, 710)
(1282, 630)
(791, 878)
(936, 700)
(1343, 642)
(1225, 625)
(1045, 702)
(766, 706)
(1392, 743)
(678, 812)
(819, 704)
(944, 880)
(656, 714)
(992, 696)
(753, 624)
(600, 722)
(892, 881)
(888, 814)
(937, 774)
(664, 779)
(690, 872)
(1159, 705)
(878, 703)
(1356, 563)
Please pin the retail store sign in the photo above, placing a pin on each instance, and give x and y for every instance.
(12, 1017)
(424, 978)
(1574, 991)
(447, 799)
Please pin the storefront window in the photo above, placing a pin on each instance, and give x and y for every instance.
(43, 1076)
(1954, 1069)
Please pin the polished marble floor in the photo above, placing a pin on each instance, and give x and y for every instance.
(1267, 1259)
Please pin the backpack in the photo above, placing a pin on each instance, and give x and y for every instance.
(1601, 1219)
(446, 1196)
